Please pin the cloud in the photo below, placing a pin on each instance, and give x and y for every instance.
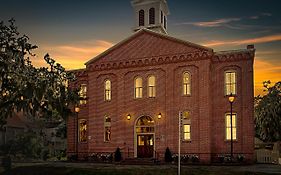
(265, 70)
(264, 39)
(72, 56)
(214, 23)
(266, 14)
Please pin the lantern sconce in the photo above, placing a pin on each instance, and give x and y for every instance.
(77, 109)
(159, 115)
(128, 117)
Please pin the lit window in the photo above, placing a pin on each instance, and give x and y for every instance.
(83, 94)
(152, 16)
(107, 90)
(138, 87)
(141, 18)
(151, 86)
(228, 126)
(186, 125)
(186, 85)
(82, 130)
(107, 129)
(230, 82)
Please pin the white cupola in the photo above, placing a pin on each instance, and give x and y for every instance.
(151, 14)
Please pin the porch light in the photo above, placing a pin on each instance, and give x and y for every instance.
(159, 115)
(77, 109)
(128, 117)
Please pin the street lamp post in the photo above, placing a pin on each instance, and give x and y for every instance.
(231, 99)
(77, 110)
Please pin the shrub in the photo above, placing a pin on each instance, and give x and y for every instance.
(117, 155)
(168, 155)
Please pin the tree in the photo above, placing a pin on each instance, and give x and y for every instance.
(268, 113)
(38, 92)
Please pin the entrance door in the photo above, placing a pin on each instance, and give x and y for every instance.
(145, 146)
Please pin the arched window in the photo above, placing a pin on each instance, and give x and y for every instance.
(230, 82)
(107, 90)
(152, 16)
(151, 86)
(165, 22)
(141, 18)
(138, 87)
(83, 94)
(145, 124)
(186, 84)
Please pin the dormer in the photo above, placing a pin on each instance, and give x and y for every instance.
(151, 14)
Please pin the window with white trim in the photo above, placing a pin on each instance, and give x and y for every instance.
(186, 126)
(107, 128)
(138, 87)
(107, 90)
(228, 126)
(83, 130)
(83, 94)
(186, 84)
(151, 86)
(230, 82)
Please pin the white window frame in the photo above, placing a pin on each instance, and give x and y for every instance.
(151, 90)
(107, 92)
(186, 85)
(139, 89)
(234, 127)
(230, 84)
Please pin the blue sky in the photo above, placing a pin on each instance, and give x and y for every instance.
(74, 31)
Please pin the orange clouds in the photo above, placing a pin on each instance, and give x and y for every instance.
(72, 56)
(264, 70)
(264, 39)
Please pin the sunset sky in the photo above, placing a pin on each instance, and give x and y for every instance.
(74, 31)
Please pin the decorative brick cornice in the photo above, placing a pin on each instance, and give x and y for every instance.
(235, 55)
(192, 56)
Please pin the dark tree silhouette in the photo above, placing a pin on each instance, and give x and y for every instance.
(268, 113)
(37, 92)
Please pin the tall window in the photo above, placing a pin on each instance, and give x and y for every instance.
(107, 129)
(82, 130)
(141, 18)
(228, 126)
(161, 17)
(186, 84)
(138, 87)
(151, 86)
(83, 94)
(165, 22)
(152, 16)
(230, 82)
(107, 90)
(186, 126)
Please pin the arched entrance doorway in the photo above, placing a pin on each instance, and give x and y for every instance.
(144, 137)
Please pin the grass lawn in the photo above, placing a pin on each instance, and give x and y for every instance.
(111, 169)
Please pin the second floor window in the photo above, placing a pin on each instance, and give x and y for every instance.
(107, 90)
(83, 94)
(230, 82)
(151, 86)
(186, 84)
(138, 87)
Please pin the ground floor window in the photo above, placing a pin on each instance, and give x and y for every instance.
(107, 129)
(228, 126)
(83, 130)
(186, 126)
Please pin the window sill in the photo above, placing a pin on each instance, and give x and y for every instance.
(186, 141)
(186, 95)
(230, 140)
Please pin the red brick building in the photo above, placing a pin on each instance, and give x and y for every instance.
(135, 90)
